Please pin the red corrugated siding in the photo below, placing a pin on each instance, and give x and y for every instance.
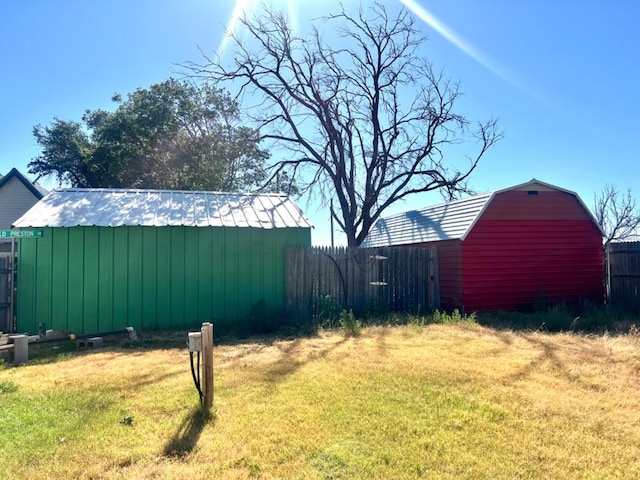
(524, 249)
(515, 257)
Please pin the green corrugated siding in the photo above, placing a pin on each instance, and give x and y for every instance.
(96, 279)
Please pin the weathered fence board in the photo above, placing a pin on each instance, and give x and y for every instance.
(6, 291)
(363, 279)
(624, 274)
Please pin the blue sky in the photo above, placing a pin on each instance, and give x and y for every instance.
(562, 77)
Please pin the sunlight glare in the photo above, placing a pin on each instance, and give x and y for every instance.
(238, 11)
(243, 7)
(461, 44)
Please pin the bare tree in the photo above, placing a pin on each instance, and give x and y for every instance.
(617, 214)
(364, 120)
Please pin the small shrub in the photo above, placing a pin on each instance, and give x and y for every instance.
(350, 326)
(418, 320)
(453, 317)
(438, 317)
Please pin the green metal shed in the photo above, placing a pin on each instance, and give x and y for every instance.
(112, 258)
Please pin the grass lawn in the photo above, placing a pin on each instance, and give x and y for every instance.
(438, 402)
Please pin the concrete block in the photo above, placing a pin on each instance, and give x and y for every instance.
(93, 342)
(20, 348)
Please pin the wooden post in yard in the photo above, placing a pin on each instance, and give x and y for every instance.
(207, 363)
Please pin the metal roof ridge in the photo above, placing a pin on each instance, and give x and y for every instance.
(167, 190)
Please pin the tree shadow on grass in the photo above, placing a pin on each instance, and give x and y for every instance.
(186, 437)
(292, 358)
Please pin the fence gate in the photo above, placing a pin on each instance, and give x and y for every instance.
(7, 296)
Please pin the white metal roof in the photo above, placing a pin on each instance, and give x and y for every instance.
(446, 221)
(75, 207)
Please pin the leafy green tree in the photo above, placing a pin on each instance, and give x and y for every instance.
(172, 135)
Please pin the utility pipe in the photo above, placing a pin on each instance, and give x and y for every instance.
(129, 330)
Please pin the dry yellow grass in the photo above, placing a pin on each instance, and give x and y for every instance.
(443, 401)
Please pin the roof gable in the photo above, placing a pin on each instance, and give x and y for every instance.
(447, 221)
(37, 190)
(158, 208)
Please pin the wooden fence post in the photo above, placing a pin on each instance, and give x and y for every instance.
(207, 363)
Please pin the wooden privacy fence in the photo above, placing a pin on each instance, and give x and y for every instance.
(362, 279)
(6, 292)
(624, 274)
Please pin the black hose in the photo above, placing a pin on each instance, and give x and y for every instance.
(196, 381)
(198, 373)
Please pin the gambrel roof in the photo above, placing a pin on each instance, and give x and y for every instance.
(446, 221)
(76, 207)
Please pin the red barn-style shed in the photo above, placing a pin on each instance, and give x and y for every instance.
(506, 250)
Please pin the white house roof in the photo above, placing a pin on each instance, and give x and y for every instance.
(446, 221)
(76, 207)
